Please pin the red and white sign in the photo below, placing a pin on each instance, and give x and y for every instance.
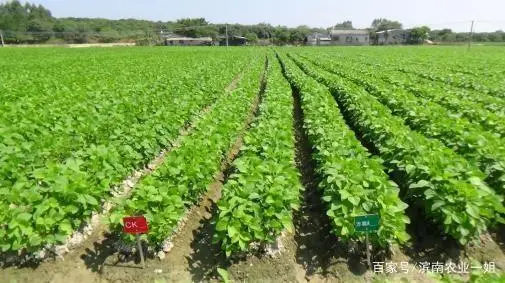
(135, 225)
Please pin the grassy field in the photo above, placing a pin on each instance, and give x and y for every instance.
(252, 163)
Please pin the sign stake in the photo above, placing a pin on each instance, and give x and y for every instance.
(141, 252)
(368, 251)
(366, 224)
(136, 225)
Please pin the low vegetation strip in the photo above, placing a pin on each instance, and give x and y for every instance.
(486, 110)
(493, 87)
(477, 106)
(263, 189)
(443, 94)
(164, 196)
(60, 160)
(353, 183)
(444, 183)
(479, 71)
(479, 147)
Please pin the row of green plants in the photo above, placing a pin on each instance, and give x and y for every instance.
(459, 69)
(469, 103)
(261, 193)
(164, 196)
(66, 143)
(491, 87)
(488, 114)
(481, 148)
(479, 71)
(352, 182)
(486, 109)
(463, 98)
(451, 190)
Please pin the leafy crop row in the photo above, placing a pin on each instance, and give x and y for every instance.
(445, 95)
(458, 69)
(461, 81)
(481, 148)
(449, 188)
(353, 183)
(187, 171)
(66, 143)
(479, 71)
(469, 103)
(489, 113)
(260, 195)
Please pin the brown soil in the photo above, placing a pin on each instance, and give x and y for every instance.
(498, 235)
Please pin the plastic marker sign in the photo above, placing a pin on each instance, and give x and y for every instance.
(366, 223)
(135, 225)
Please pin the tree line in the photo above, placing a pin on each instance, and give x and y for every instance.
(30, 23)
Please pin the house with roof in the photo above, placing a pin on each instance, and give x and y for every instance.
(392, 36)
(171, 39)
(350, 37)
(188, 41)
(318, 39)
(233, 40)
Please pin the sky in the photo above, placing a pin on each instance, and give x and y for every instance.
(438, 14)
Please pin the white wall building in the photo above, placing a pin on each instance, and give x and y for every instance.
(318, 39)
(392, 36)
(350, 37)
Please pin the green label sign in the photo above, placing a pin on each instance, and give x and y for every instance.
(366, 223)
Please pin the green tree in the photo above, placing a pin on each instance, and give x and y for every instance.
(41, 31)
(419, 34)
(281, 35)
(381, 24)
(189, 22)
(297, 36)
(197, 27)
(26, 23)
(344, 25)
(263, 30)
(444, 35)
(251, 37)
(108, 34)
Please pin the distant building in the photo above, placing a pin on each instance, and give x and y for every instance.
(233, 40)
(350, 37)
(392, 36)
(188, 41)
(318, 39)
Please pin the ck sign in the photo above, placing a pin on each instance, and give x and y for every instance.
(135, 225)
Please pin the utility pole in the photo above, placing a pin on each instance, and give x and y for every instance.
(2, 38)
(471, 34)
(226, 35)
